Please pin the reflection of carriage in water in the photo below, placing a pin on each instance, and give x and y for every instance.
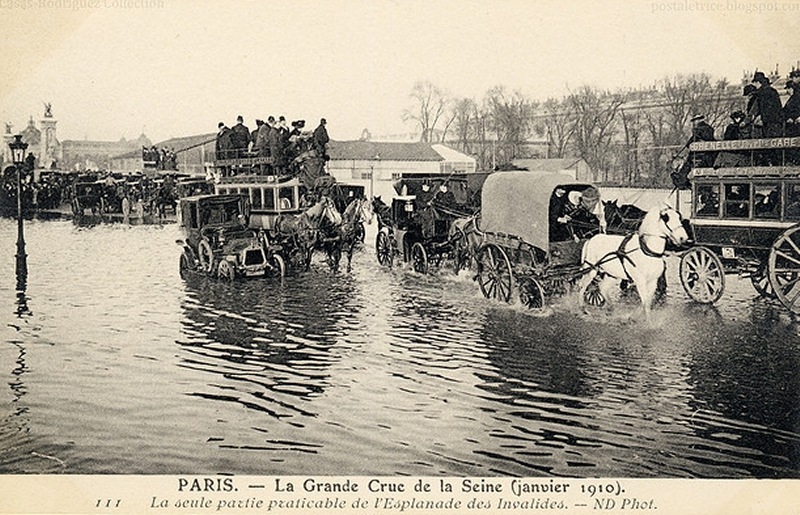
(418, 226)
(220, 244)
(746, 219)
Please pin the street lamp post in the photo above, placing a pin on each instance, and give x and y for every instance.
(18, 148)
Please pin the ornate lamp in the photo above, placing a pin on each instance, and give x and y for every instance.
(18, 148)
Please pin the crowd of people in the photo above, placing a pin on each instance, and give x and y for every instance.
(160, 158)
(272, 139)
(763, 116)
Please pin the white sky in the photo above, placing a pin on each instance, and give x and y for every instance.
(180, 67)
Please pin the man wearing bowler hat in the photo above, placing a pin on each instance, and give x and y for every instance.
(769, 112)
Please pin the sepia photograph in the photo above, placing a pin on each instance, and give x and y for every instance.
(508, 244)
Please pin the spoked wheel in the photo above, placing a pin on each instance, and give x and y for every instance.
(183, 266)
(206, 256)
(383, 249)
(419, 258)
(760, 280)
(702, 275)
(592, 295)
(531, 293)
(277, 265)
(494, 273)
(784, 268)
(225, 270)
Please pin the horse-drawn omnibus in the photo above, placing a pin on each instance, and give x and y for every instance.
(746, 219)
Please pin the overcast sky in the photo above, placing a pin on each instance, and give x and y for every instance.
(176, 68)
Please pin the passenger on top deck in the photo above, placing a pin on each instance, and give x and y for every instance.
(768, 112)
(701, 131)
(791, 110)
(734, 129)
(748, 130)
(240, 136)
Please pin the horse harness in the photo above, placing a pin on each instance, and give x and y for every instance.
(623, 255)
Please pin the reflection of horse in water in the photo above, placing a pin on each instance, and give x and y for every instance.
(637, 257)
(312, 229)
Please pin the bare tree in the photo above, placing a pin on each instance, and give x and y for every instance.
(556, 124)
(511, 119)
(595, 116)
(430, 105)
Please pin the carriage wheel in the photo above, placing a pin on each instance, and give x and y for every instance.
(760, 280)
(183, 266)
(226, 271)
(702, 275)
(592, 295)
(494, 273)
(383, 249)
(206, 256)
(419, 258)
(278, 265)
(531, 293)
(784, 268)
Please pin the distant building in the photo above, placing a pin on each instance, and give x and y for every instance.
(193, 153)
(574, 166)
(377, 165)
(97, 155)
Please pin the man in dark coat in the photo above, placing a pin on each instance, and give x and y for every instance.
(321, 138)
(224, 146)
(791, 110)
(701, 131)
(750, 112)
(240, 136)
(769, 112)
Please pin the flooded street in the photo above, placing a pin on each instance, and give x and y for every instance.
(117, 365)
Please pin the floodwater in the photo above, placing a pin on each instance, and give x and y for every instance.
(111, 363)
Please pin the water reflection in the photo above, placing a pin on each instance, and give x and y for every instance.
(268, 346)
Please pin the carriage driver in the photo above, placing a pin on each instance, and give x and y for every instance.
(576, 215)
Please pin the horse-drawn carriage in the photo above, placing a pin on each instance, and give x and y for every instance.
(517, 244)
(418, 225)
(219, 242)
(87, 193)
(746, 219)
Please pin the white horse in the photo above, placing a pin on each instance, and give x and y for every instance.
(637, 257)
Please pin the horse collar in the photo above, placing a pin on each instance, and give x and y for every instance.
(646, 250)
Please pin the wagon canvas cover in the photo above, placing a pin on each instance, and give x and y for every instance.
(516, 203)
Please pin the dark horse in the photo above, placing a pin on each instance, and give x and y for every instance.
(622, 219)
(315, 228)
(351, 231)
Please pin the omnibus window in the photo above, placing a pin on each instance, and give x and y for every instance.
(255, 198)
(707, 200)
(286, 196)
(269, 198)
(737, 200)
(793, 201)
(767, 201)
